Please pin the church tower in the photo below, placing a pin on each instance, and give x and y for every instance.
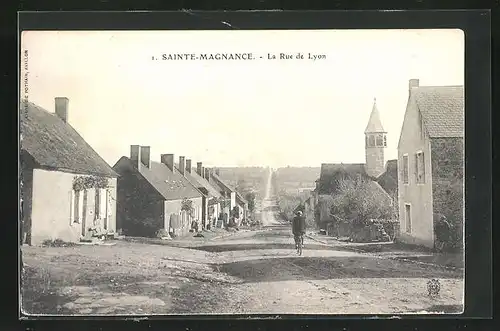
(375, 144)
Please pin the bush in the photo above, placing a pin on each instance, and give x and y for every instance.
(287, 204)
(359, 201)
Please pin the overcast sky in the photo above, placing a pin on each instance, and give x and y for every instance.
(238, 113)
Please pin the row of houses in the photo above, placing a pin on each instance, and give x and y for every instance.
(427, 177)
(68, 191)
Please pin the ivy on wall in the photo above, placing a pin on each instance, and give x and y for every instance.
(86, 182)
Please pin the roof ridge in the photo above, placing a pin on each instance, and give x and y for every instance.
(56, 144)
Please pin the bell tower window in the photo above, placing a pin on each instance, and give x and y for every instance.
(371, 141)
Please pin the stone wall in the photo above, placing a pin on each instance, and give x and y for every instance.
(139, 207)
(447, 182)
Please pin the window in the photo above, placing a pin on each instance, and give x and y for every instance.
(408, 217)
(420, 168)
(77, 210)
(385, 141)
(371, 141)
(379, 140)
(405, 168)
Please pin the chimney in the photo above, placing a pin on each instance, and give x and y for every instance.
(135, 155)
(412, 84)
(146, 156)
(188, 165)
(62, 108)
(217, 171)
(199, 169)
(168, 160)
(182, 165)
(207, 173)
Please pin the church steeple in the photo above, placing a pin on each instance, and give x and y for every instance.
(374, 123)
(375, 143)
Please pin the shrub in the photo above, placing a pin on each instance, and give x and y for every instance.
(358, 201)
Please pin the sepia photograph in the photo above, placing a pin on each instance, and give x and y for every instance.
(241, 172)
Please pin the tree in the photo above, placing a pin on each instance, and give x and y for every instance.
(287, 204)
(250, 197)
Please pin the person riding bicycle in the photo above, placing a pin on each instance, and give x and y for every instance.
(298, 228)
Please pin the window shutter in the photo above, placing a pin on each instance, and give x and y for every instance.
(110, 203)
(71, 207)
(80, 205)
(97, 203)
(102, 203)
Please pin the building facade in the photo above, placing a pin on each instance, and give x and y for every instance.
(431, 161)
(67, 190)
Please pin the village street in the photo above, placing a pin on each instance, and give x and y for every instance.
(246, 272)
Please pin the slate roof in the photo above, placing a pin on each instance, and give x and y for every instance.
(57, 145)
(332, 172)
(374, 124)
(442, 109)
(222, 183)
(241, 198)
(204, 183)
(197, 185)
(171, 185)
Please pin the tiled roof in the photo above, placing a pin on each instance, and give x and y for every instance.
(331, 173)
(221, 183)
(389, 179)
(56, 145)
(213, 192)
(171, 185)
(442, 109)
(374, 124)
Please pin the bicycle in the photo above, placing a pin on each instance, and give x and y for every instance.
(299, 242)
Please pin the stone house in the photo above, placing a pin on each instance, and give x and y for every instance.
(67, 188)
(154, 196)
(211, 204)
(228, 199)
(431, 161)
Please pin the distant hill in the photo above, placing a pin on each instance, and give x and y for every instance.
(254, 177)
(294, 179)
(298, 174)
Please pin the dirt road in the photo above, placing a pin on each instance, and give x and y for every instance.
(255, 272)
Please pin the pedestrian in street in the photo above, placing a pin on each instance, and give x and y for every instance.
(299, 228)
